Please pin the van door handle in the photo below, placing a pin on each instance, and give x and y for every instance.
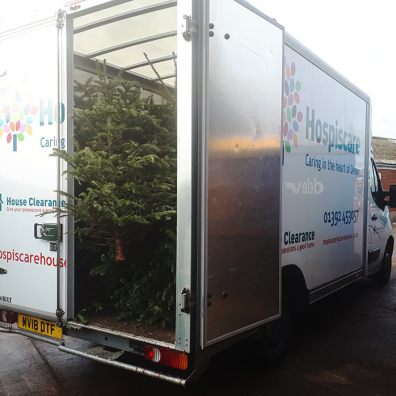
(374, 217)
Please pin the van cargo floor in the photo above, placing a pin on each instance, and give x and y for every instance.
(112, 324)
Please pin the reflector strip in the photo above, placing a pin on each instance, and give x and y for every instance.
(8, 316)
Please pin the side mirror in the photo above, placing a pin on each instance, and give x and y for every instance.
(392, 196)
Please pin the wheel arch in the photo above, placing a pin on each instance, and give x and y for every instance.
(294, 286)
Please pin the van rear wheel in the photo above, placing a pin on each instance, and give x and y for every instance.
(384, 273)
(276, 340)
(277, 335)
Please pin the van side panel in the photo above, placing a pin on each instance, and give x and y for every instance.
(323, 130)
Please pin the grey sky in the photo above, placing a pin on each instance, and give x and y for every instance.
(355, 37)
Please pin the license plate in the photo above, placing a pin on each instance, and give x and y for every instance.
(39, 326)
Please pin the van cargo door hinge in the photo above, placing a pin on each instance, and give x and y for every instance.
(59, 314)
(60, 19)
(189, 28)
(186, 301)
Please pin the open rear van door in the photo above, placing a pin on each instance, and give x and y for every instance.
(242, 177)
(33, 261)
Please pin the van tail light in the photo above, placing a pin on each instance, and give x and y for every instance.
(8, 316)
(166, 357)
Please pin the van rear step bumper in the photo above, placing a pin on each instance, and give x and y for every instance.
(99, 354)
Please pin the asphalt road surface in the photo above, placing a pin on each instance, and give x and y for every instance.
(346, 346)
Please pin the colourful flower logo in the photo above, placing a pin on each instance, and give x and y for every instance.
(16, 121)
(292, 116)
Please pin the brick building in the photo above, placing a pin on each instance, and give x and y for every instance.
(384, 151)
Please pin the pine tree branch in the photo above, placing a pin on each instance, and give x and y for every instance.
(168, 94)
(175, 66)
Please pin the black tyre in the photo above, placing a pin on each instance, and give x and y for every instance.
(276, 339)
(277, 336)
(383, 275)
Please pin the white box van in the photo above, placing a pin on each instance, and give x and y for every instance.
(278, 202)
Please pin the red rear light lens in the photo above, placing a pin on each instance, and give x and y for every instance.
(153, 354)
(8, 316)
(166, 357)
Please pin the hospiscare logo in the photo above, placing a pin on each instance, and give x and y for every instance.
(18, 117)
(319, 131)
(16, 121)
(292, 115)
